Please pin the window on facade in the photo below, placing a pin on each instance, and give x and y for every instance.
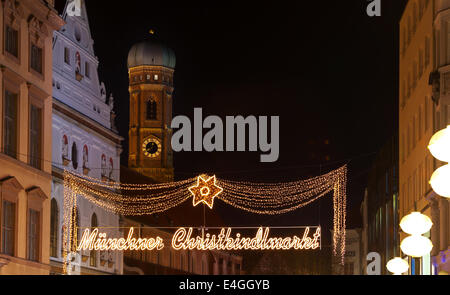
(65, 147)
(10, 124)
(36, 58)
(67, 55)
(85, 157)
(93, 253)
(156, 77)
(111, 168)
(151, 110)
(33, 235)
(74, 156)
(8, 227)
(103, 166)
(54, 228)
(35, 137)
(87, 70)
(12, 41)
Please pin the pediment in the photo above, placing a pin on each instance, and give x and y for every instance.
(37, 192)
(11, 183)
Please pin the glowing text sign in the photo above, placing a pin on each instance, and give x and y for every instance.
(183, 239)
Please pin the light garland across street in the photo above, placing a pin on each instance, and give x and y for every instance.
(258, 198)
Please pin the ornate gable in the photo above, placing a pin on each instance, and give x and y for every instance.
(13, 11)
(11, 183)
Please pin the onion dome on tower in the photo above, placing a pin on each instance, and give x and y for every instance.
(151, 53)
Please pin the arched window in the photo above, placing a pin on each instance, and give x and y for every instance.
(103, 165)
(85, 157)
(65, 147)
(93, 253)
(54, 228)
(111, 168)
(74, 156)
(151, 110)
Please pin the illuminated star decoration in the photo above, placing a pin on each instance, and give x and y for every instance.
(205, 191)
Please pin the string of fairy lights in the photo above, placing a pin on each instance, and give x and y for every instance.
(258, 198)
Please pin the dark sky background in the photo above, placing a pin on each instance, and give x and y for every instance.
(327, 69)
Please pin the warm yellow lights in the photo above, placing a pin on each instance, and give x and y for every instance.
(439, 145)
(205, 191)
(98, 241)
(183, 239)
(416, 223)
(440, 181)
(440, 149)
(397, 266)
(259, 198)
(416, 246)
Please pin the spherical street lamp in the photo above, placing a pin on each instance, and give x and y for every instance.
(439, 145)
(397, 266)
(440, 181)
(416, 223)
(416, 246)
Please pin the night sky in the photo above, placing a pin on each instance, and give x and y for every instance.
(327, 69)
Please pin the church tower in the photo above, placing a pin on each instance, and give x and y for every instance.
(151, 67)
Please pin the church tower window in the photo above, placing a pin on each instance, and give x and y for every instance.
(151, 110)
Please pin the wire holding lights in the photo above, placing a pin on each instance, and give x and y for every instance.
(258, 198)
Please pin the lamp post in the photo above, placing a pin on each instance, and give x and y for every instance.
(415, 245)
(439, 147)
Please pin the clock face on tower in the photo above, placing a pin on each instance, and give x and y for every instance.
(151, 147)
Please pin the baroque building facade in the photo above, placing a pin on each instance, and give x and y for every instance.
(85, 142)
(423, 110)
(25, 130)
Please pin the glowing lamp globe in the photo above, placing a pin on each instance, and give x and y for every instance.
(397, 266)
(439, 145)
(416, 223)
(416, 246)
(440, 181)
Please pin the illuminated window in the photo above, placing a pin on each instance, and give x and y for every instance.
(156, 77)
